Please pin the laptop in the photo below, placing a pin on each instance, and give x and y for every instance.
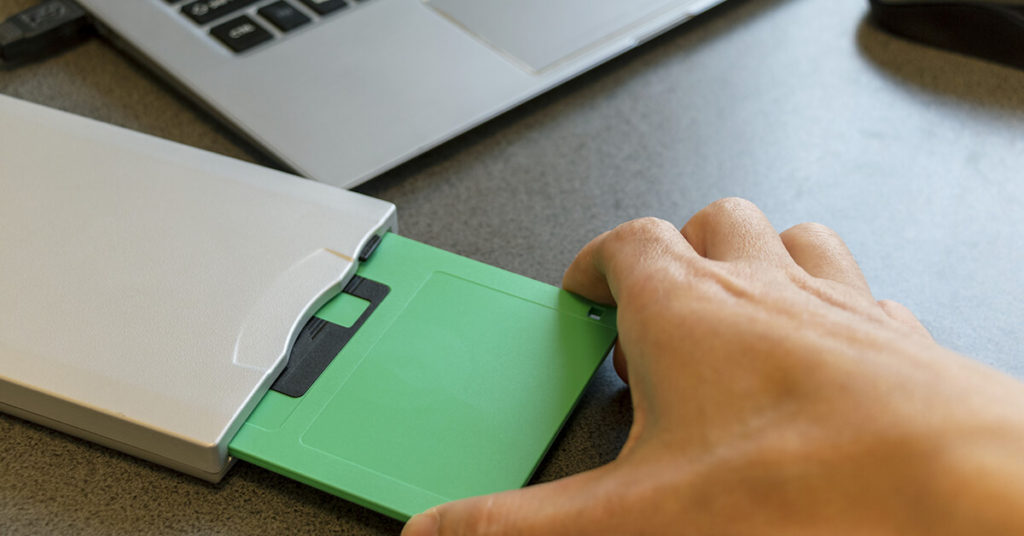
(194, 310)
(343, 90)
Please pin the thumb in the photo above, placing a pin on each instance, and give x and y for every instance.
(573, 505)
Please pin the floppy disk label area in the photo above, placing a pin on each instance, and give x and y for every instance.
(320, 341)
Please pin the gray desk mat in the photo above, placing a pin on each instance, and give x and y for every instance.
(914, 155)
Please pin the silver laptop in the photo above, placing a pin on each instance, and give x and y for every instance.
(342, 90)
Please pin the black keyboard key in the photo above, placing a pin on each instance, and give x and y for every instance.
(324, 7)
(240, 33)
(283, 15)
(203, 11)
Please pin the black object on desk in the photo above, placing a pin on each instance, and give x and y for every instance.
(990, 29)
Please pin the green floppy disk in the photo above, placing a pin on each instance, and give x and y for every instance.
(452, 380)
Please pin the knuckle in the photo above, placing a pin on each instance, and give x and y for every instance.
(642, 229)
(811, 233)
(815, 228)
(732, 205)
(729, 209)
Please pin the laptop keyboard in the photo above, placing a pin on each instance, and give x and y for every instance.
(244, 24)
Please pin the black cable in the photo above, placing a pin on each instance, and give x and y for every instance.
(44, 29)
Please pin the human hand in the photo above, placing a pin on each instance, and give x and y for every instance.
(772, 395)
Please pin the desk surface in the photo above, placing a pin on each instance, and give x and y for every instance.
(914, 155)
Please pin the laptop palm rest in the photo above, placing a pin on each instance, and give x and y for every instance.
(455, 385)
(540, 33)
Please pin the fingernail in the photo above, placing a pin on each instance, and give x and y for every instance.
(425, 524)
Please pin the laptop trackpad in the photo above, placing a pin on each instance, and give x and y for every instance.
(542, 32)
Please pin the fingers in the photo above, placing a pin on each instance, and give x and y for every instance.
(619, 361)
(823, 254)
(632, 249)
(585, 276)
(734, 229)
(569, 506)
(899, 312)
